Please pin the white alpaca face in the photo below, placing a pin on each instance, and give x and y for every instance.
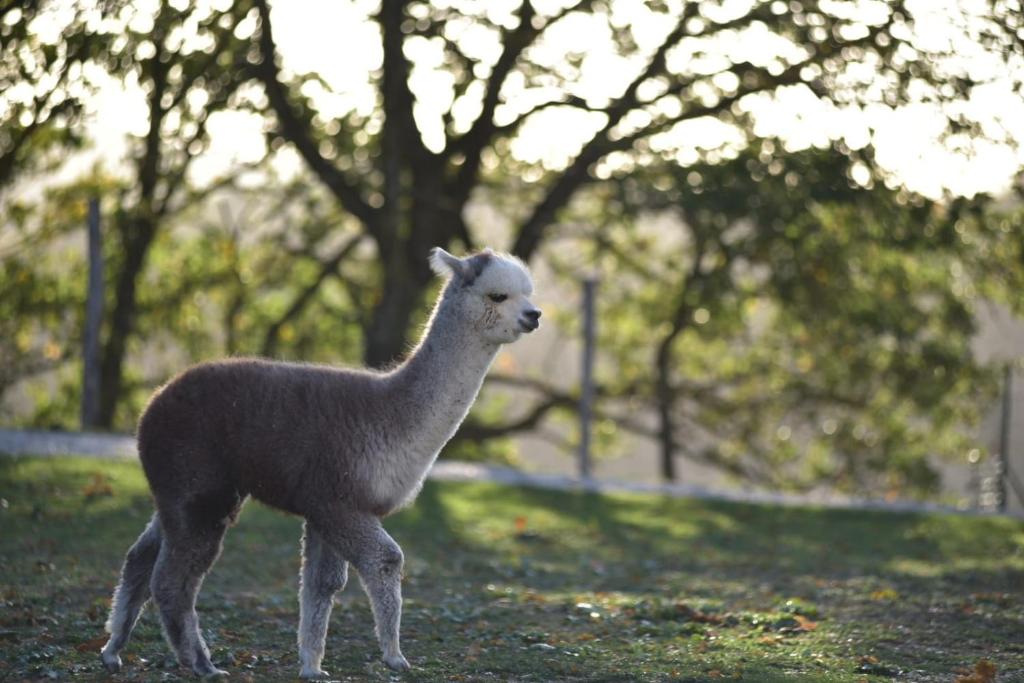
(503, 289)
(494, 293)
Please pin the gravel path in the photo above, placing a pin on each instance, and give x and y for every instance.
(122, 447)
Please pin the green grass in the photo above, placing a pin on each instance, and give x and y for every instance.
(530, 585)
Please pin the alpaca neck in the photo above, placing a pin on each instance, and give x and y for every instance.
(440, 380)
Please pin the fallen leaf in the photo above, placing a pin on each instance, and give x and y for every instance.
(984, 672)
(804, 623)
(98, 486)
(869, 664)
(93, 645)
(696, 615)
(885, 594)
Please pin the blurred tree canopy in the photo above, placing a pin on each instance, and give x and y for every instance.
(804, 319)
(814, 330)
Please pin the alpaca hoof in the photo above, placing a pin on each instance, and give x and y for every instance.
(209, 671)
(111, 661)
(397, 663)
(314, 675)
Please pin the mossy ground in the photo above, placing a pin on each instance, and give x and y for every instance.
(530, 585)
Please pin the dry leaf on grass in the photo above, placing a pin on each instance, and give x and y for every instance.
(93, 645)
(885, 594)
(805, 624)
(695, 615)
(984, 672)
(99, 485)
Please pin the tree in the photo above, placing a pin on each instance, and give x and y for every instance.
(804, 328)
(185, 82)
(41, 84)
(188, 64)
(681, 128)
(409, 196)
(43, 91)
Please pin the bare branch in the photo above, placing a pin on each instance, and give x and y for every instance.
(472, 144)
(483, 130)
(298, 132)
(327, 268)
(568, 101)
(558, 195)
(473, 430)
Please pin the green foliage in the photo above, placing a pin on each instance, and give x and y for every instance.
(42, 283)
(210, 289)
(818, 331)
(42, 86)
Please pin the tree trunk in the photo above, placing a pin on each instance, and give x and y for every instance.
(386, 338)
(122, 319)
(407, 274)
(93, 321)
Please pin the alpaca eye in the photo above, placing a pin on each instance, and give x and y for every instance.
(497, 298)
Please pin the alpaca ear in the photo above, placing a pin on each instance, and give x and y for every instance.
(443, 263)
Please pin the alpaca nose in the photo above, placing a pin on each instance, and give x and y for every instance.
(530, 320)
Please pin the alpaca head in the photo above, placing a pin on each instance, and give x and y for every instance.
(491, 291)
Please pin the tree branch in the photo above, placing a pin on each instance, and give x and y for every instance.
(473, 430)
(531, 231)
(568, 101)
(483, 130)
(298, 131)
(327, 268)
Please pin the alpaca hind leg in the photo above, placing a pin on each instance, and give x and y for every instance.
(177, 577)
(324, 573)
(361, 540)
(131, 593)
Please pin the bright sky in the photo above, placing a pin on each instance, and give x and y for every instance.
(336, 40)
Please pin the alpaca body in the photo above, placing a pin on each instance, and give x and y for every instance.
(293, 436)
(342, 448)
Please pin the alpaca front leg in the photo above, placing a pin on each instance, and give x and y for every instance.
(359, 538)
(324, 573)
(380, 571)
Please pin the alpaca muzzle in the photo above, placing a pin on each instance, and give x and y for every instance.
(530, 320)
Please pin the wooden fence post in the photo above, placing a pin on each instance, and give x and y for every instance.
(587, 380)
(93, 318)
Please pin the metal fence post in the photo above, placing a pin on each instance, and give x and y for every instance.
(93, 318)
(587, 380)
(1003, 473)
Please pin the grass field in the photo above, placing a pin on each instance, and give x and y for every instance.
(530, 585)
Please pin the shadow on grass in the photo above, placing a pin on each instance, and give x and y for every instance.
(741, 541)
(928, 592)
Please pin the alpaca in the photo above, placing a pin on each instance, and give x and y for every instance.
(342, 448)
